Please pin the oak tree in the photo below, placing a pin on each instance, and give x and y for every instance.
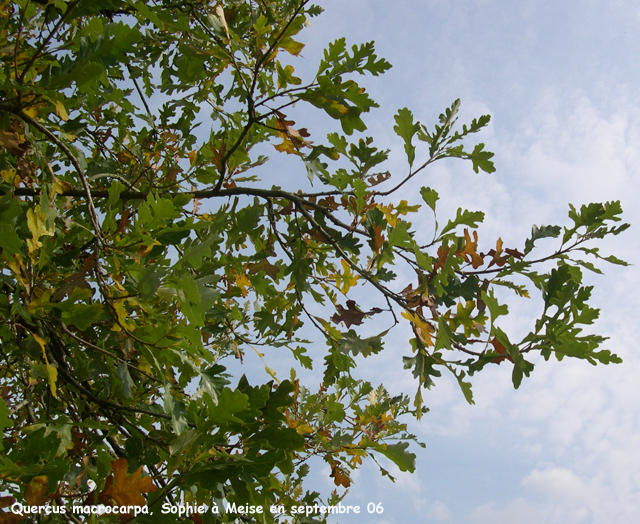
(146, 244)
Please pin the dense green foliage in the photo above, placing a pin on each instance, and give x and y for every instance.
(144, 246)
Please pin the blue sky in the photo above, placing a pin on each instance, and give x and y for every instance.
(562, 83)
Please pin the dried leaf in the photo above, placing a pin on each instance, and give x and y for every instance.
(36, 492)
(469, 253)
(123, 489)
(378, 178)
(13, 143)
(263, 265)
(75, 280)
(352, 315)
(500, 350)
(378, 238)
(339, 477)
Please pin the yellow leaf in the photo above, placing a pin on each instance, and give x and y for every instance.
(243, 283)
(192, 156)
(31, 111)
(36, 222)
(422, 328)
(294, 47)
(60, 186)
(122, 313)
(8, 175)
(346, 280)
(223, 21)
(60, 110)
(403, 208)
(52, 372)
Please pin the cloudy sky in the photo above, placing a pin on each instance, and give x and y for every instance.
(561, 80)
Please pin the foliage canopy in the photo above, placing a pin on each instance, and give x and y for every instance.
(143, 248)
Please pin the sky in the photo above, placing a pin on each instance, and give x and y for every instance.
(562, 83)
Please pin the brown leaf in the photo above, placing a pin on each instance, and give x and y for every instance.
(500, 350)
(10, 518)
(263, 265)
(74, 281)
(124, 221)
(495, 255)
(123, 489)
(292, 139)
(374, 180)
(339, 477)
(36, 492)
(6, 501)
(352, 315)
(286, 210)
(79, 441)
(329, 203)
(5, 393)
(13, 143)
(514, 253)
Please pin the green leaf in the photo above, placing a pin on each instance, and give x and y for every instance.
(5, 422)
(127, 382)
(482, 159)
(82, 315)
(406, 129)
(430, 196)
(463, 217)
(229, 403)
(398, 454)
(495, 308)
(540, 232)
(353, 344)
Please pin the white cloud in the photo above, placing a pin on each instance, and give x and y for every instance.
(438, 512)
(517, 511)
(557, 483)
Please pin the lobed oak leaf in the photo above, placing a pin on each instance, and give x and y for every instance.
(378, 178)
(469, 253)
(329, 203)
(263, 265)
(339, 477)
(352, 315)
(443, 254)
(123, 489)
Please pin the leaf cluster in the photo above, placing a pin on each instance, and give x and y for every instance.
(145, 251)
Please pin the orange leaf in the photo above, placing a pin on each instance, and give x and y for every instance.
(123, 489)
(470, 250)
(378, 239)
(442, 258)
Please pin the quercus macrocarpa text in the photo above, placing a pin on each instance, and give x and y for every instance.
(145, 245)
